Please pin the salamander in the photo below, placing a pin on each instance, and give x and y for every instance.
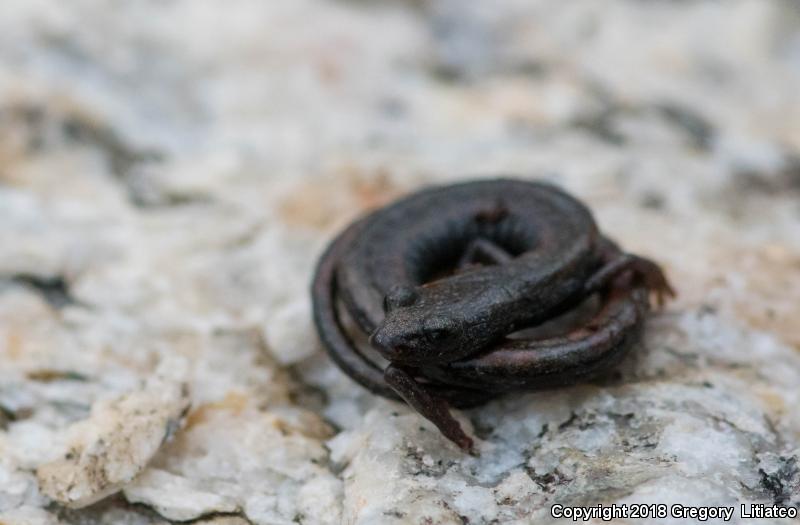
(440, 279)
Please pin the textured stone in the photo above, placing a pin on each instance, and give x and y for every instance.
(114, 445)
(170, 171)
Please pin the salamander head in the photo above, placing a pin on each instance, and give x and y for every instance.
(422, 328)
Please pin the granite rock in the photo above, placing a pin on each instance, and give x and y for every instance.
(109, 449)
(169, 172)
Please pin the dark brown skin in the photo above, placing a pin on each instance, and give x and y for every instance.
(440, 278)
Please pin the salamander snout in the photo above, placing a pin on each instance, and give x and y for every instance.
(416, 341)
(389, 347)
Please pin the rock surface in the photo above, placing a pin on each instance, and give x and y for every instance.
(169, 172)
(112, 447)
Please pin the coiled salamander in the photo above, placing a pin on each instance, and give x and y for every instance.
(440, 279)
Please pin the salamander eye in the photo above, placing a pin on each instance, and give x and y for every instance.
(438, 330)
(437, 335)
(399, 295)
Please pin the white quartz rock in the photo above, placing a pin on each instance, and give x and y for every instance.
(174, 497)
(28, 516)
(114, 445)
(269, 464)
(17, 487)
(289, 332)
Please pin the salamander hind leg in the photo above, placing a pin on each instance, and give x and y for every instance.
(647, 272)
(434, 409)
(654, 279)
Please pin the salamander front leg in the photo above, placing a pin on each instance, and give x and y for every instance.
(483, 251)
(433, 408)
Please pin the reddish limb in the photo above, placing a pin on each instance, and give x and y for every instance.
(434, 409)
(644, 270)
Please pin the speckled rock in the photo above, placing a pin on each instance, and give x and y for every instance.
(109, 449)
(169, 172)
